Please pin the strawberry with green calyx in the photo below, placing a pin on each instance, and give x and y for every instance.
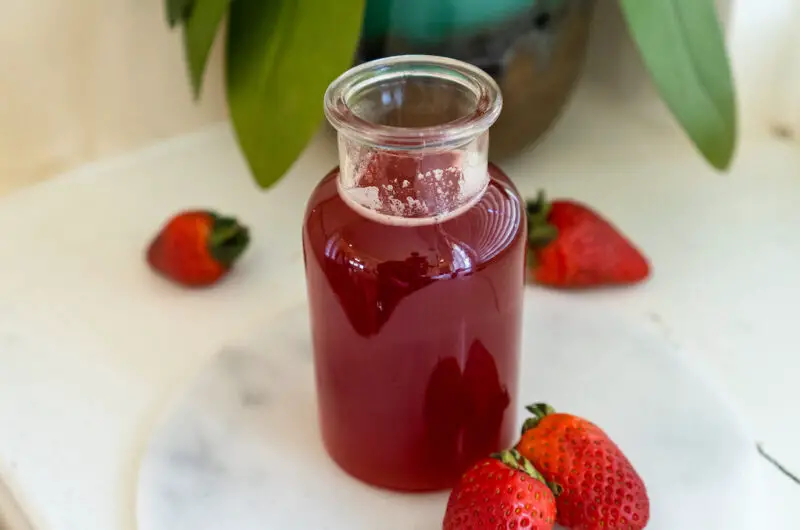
(571, 246)
(501, 491)
(600, 489)
(197, 247)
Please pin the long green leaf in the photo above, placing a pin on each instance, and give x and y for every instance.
(177, 10)
(281, 56)
(198, 33)
(682, 44)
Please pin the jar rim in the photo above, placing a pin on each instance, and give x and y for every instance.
(341, 115)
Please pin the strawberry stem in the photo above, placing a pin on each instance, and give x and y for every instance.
(539, 411)
(555, 487)
(540, 232)
(514, 459)
(228, 240)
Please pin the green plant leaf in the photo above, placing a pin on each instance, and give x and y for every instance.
(683, 47)
(281, 56)
(178, 10)
(198, 33)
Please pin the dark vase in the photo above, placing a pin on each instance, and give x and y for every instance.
(534, 49)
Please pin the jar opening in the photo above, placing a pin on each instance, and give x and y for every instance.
(413, 137)
(413, 101)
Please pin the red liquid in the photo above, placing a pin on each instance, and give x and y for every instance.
(416, 334)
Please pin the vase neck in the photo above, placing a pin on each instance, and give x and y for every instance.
(413, 136)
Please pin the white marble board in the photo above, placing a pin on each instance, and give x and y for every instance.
(239, 448)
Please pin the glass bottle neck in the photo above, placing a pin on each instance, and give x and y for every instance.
(412, 186)
(413, 137)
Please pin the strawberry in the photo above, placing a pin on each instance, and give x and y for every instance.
(572, 246)
(501, 491)
(197, 247)
(600, 489)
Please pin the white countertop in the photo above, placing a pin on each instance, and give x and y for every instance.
(93, 344)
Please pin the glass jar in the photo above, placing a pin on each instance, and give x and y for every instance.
(534, 49)
(415, 265)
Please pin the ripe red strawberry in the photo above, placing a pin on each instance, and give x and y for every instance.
(197, 247)
(600, 489)
(501, 491)
(571, 245)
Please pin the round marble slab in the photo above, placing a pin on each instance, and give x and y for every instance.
(239, 449)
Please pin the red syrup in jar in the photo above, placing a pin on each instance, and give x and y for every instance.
(415, 325)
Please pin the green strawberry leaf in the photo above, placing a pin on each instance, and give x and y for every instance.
(178, 10)
(281, 56)
(683, 47)
(198, 33)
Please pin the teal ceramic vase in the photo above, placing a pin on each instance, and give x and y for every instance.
(533, 48)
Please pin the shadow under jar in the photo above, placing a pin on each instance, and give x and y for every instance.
(534, 49)
(415, 264)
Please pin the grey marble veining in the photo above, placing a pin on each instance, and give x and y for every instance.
(240, 449)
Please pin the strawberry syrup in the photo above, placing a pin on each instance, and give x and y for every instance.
(416, 333)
